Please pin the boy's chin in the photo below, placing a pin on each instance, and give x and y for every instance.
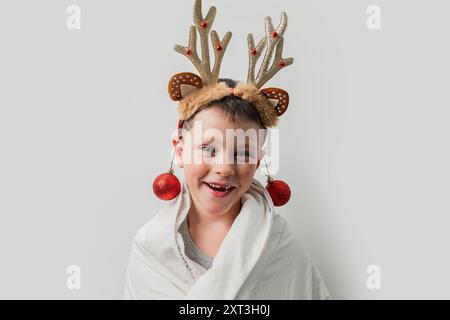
(217, 207)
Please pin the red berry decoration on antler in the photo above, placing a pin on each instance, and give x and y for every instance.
(272, 45)
(202, 25)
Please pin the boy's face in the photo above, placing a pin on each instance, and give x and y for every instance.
(214, 150)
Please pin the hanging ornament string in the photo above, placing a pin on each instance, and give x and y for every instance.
(171, 162)
(269, 177)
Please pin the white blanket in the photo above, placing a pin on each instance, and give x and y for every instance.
(260, 257)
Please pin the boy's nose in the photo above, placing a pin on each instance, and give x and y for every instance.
(224, 169)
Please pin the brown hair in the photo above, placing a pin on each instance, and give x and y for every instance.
(234, 107)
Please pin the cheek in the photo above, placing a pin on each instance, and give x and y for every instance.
(195, 171)
(246, 173)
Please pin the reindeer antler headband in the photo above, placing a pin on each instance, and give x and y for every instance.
(193, 91)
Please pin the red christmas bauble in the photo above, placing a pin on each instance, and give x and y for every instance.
(279, 192)
(166, 186)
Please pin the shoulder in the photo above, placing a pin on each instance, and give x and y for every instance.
(293, 257)
(288, 242)
(154, 229)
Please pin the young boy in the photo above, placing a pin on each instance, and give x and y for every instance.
(220, 238)
(229, 164)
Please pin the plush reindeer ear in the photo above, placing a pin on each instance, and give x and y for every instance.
(182, 84)
(278, 97)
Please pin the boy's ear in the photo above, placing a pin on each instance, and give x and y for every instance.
(174, 138)
(262, 154)
(179, 152)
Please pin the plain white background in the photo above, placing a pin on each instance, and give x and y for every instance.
(85, 124)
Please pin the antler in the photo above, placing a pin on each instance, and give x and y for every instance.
(272, 40)
(203, 26)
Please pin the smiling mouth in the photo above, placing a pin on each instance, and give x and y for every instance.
(218, 188)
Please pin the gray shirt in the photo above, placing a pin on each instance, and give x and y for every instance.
(191, 249)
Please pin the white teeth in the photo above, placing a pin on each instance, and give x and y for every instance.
(217, 186)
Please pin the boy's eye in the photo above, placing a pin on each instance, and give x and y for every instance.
(211, 151)
(243, 154)
(208, 149)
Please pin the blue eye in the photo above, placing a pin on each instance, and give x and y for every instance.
(209, 149)
(243, 154)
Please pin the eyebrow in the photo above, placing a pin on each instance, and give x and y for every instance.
(210, 139)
